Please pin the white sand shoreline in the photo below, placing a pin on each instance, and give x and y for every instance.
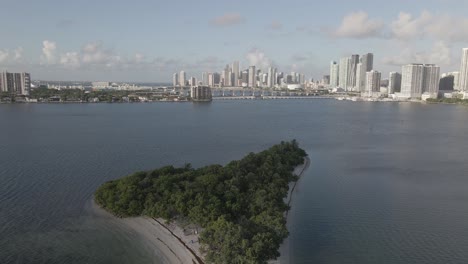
(167, 241)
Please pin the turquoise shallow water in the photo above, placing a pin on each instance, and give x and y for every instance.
(387, 182)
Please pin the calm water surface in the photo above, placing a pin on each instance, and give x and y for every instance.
(388, 182)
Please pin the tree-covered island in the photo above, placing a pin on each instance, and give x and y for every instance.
(240, 207)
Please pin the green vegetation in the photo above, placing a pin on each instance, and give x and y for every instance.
(449, 101)
(239, 206)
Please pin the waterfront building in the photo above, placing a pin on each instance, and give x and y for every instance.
(412, 80)
(373, 79)
(201, 93)
(334, 74)
(431, 78)
(182, 79)
(394, 83)
(344, 72)
(463, 78)
(446, 82)
(17, 83)
(252, 82)
(175, 79)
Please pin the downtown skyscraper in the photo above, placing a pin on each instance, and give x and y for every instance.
(366, 64)
(463, 77)
(334, 74)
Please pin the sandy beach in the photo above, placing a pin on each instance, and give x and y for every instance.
(168, 242)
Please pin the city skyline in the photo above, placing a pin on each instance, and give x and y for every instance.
(148, 42)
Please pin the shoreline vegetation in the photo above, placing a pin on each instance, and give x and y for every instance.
(231, 214)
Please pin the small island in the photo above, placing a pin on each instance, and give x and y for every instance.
(239, 210)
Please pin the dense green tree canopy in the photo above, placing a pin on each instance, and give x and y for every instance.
(239, 206)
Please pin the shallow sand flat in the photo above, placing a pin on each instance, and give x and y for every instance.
(157, 238)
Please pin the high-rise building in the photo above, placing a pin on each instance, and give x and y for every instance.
(334, 74)
(252, 77)
(352, 71)
(446, 82)
(394, 83)
(235, 70)
(412, 80)
(431, 78)
(367, 61)
(182, 78)
(463, 79)
(373, 82)
(360, 78)
(343, 78)
(175, 79)
(227, 76)
(204, 78)
(193, 81)
(271, 77)
(245, 78)
(201, 94)
(17, 83)
(367, 64)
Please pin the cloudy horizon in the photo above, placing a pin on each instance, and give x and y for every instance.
(148, 41)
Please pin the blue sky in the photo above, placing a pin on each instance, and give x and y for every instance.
(149, 40)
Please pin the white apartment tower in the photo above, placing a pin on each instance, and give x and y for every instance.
(373, 82)
(334, 74)
(182, 78)
(360, 77)
(431, 78)
(463, 77)
(345, 64)
(412, 80)
(17, 83)
(367, 64)
(175, 79)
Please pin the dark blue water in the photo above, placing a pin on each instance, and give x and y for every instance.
(388, 182)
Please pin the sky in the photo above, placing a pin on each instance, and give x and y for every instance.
(147, 41)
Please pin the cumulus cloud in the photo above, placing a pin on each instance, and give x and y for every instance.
(7, 55)
(440, 54)
(359, 25)
(227, 19)
(49, 49)
(440, 27)
(256, 57)
(407, 27)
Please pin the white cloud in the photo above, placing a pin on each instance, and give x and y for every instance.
(359, 25)
(49, 49)
(70, 60)
(440, 54)
(427, 25)
(258, 58)
(227, 19)
(406, 27)
(10, 56)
